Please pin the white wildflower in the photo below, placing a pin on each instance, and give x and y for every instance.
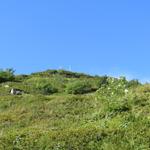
(6, 86)
(112, 80)
(119, 85)
(126, 91)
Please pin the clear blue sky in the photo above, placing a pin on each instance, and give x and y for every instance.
(94, 36)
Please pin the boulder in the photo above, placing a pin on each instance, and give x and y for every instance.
(14, 91)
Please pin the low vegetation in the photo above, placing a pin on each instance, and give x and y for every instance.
(62, 110)
(79, 87)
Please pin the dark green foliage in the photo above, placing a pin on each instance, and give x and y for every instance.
(57, 83)
(102, 81)
(79, 87)
(133, 83)
(6, 75)
(46, 88)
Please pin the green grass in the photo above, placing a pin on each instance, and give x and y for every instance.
(114, 116)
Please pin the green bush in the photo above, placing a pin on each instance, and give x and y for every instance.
(79, 87)
(133, 83)
(41, 85)
(46, 88)
(6, 75)
(102, 81)
(56, 82)
(115, 87)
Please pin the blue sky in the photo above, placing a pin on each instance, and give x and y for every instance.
(93, 36)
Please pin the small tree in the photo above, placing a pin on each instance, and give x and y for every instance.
(6, 75)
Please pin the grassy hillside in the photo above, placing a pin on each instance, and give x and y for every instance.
(62, 110)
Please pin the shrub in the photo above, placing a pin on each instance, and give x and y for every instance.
(56, 82)
(133, 83)
(114, 88)
(79, 87)
(46, 88)
(102, 81)
(6, 75)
